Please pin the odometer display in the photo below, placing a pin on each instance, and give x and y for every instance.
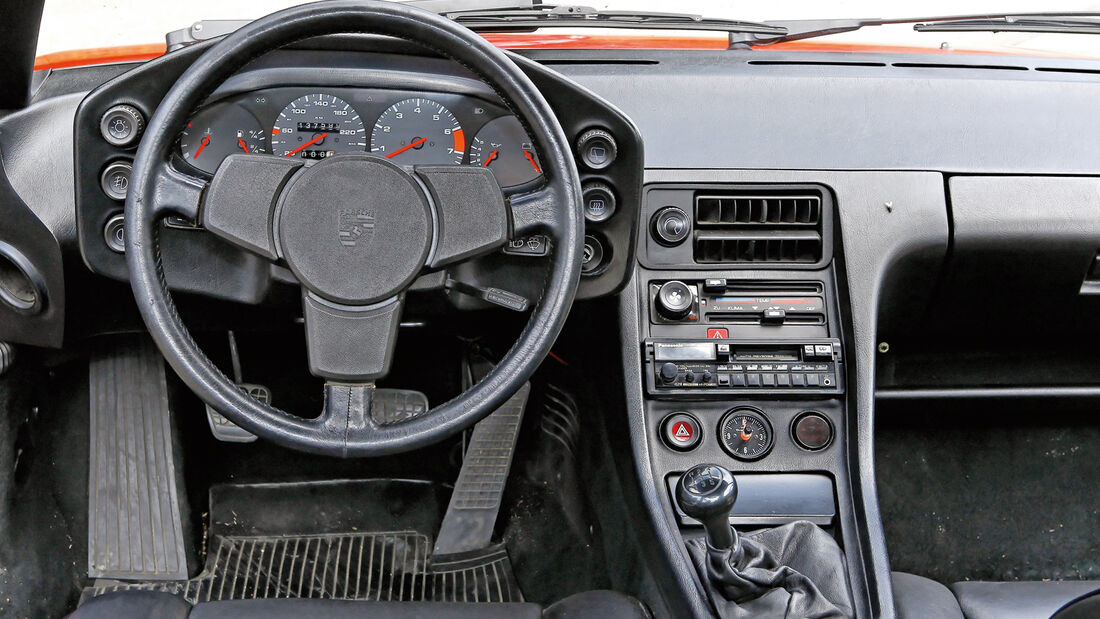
(418, 132)
(318, 126)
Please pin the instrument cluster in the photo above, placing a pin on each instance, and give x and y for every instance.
(408, 128)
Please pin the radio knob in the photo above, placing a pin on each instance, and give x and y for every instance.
(669, 371)
(674, 300)
(689, 376)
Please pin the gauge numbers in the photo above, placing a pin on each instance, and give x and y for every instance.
(504, 147)
(746, 434)
(219, 131)
(418, 132)
(318, 126)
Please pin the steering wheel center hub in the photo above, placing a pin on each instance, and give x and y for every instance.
(355, 228)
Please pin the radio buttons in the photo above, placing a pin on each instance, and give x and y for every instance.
(681, 431)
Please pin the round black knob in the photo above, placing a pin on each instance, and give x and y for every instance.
(669, 371)
(597, 149)
(122, 125)
(674, 300)
(671, 226)
(689, 376)
(599, 201)
(707, 493)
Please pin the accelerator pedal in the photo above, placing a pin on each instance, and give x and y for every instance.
(135, 529)
(472, 513)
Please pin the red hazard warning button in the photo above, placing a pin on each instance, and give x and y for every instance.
(680, 431)
(718, 334)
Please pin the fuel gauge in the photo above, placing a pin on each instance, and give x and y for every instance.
(217, 132)
(504, 147)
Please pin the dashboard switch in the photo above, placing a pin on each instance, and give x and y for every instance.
(122, 125)
(671, 226)
(597, 149)
(114, 234)
(599, 202)
(115, 180)
(674, 300)
(681, 431)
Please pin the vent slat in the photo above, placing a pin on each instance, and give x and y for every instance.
(756, 226)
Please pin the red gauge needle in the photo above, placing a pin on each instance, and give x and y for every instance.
(205, 141)
(744, 436)
(492, 155)
(413, 144)
(309, 143)
(244, 146)
(532, 160)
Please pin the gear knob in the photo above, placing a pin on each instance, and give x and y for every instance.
(707, 493)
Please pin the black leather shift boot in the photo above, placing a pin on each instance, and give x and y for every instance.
(793, 571)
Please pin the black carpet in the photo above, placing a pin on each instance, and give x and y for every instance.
(990, 492)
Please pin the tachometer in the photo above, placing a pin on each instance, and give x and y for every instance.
(504, 147)
(317, 126)
(217, 132)
(418, 131)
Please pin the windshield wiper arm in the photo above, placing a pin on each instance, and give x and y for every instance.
(568, 16)
(1081, 23)
(1064, 23)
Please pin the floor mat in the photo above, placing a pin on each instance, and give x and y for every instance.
(330, 540)
(390, 566)
(988, 493)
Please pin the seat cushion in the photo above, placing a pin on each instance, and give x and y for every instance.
(596, 605)
(1018, 600)
(917, 596)
(144, 604)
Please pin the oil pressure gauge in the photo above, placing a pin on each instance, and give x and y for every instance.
(746, 434)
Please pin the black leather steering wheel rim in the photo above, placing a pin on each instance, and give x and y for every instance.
(151, 199)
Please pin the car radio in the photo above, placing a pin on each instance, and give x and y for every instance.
(677, 366)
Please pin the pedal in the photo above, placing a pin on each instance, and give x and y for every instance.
(397, 405)
(229, 432)
(135, 525)
(475, 502)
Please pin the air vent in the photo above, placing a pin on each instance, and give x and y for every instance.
(755, 226)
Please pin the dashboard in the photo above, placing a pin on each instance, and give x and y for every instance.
(318, 99)
(405, 126)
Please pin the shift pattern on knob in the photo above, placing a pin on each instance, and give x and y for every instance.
(707, 493)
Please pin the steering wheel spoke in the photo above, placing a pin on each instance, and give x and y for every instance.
(240, 204)
(470, 211)
(348, 343)
(538, 212)
(176, 193)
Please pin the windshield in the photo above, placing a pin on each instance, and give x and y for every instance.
(80, 24)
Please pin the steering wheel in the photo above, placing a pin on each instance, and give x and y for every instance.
(356, 231)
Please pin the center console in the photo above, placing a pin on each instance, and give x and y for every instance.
(742, 355)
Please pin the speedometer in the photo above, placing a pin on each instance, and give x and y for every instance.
(418, 131)
(318, 126)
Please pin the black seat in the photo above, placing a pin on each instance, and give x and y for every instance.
(917, 596)
(1018, 600)
(158, 605)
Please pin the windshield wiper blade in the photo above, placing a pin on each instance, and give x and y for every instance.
(568, 16)
(1072, 23)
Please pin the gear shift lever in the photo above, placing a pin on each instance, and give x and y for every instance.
(741, 574)
(707, 493)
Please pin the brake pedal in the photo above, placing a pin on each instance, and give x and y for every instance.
(229, 432)
(222, 428)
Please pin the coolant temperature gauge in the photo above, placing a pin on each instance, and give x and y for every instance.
(220, 131)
